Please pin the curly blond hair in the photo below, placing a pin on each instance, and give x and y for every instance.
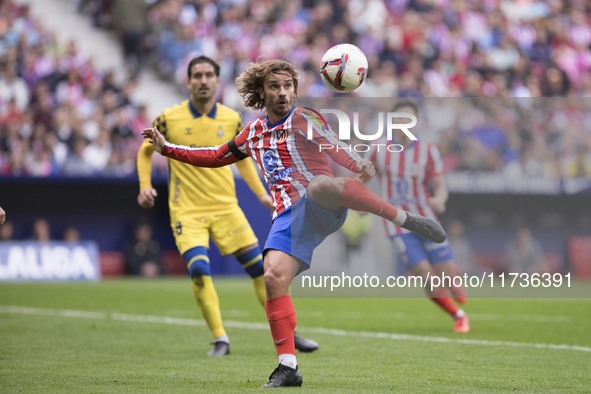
(253, 78)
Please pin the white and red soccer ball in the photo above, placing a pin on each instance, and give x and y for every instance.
(343, 68)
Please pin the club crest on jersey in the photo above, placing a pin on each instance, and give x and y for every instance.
(188, 131)
(220, 132)
(281, 135)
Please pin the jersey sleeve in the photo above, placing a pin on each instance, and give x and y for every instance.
(144, 155)
(217, 156)
(327, 141)
(144, 165)
(160, 124)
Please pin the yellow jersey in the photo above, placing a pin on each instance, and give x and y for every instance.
(196, 189)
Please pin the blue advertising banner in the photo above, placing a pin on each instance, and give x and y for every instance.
(48, 261)
(492, 183)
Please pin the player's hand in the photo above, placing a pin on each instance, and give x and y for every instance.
(2, 216)
(437, 204)
(267, 201)
(147, 198)
(154, 137)
(366, 170)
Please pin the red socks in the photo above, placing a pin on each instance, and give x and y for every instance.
(359, 197)
(282, 320)
(459, 293)
(440, 297)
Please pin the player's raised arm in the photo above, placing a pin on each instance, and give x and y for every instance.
(218, 156)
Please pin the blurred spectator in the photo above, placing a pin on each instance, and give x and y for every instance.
(71, 234)
(12, 87)
(462, 249)
(130, 20)
(41, 231)
(6, 231)
(354, 231)
(75, 164)
(142, 252)
(524, 253)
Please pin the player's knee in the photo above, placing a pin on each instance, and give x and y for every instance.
(252, 262)
(275, 278)
(271, 280)
(199, 268)
(322, 186)
(197, 262)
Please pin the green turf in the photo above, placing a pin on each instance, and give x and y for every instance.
(108, 352)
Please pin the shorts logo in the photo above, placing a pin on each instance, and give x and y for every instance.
(178, 227)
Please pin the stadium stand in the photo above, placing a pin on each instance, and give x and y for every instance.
(416, 48)
(112, 264)
(579, 250)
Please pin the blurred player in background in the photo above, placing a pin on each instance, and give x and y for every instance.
(405, 178)
(202, 201)
(310, 203)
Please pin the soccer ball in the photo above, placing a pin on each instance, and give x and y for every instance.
(343, 68)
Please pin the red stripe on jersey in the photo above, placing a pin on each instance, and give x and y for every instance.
(391, 191)
(288, 160)
(419, 166)
(407, 175)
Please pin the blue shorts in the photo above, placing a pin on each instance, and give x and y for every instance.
(300, 229)
(413, 248)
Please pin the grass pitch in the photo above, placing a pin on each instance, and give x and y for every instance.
(148, 336)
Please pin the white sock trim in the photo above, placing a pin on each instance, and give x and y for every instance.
(223, 338)
(400, 217)
(289, 360)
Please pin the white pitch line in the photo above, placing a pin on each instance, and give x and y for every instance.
(425, 316)
(177, 321)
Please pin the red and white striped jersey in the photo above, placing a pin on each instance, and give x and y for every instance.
(404, 179)
(282, 151)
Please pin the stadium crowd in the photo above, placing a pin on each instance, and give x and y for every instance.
(520, 67)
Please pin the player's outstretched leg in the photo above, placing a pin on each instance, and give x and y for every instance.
(459, 292)
(461, 322)
(357, 196)
(425, 227)
(440, 296)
